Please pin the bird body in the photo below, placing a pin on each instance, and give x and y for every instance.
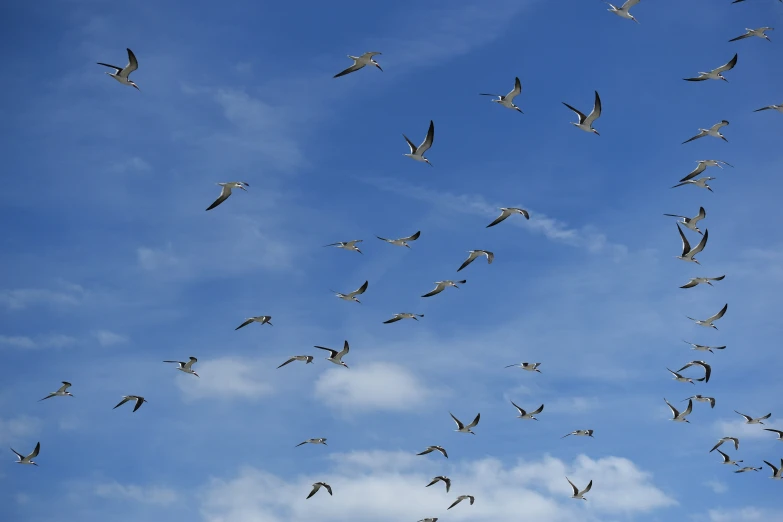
(441, 478)
(473, 254)
(727, 460)
(701, 183)
(735, 440)
(29, 458)
(430, 449)
(707, 323)
(508, 100)
(185, 367)
(752, 420)
(754, 32)
(579, 494)
(359, 62)
(125, 398)
(262, 319)
(579, 433)
(688, 253)
(417, 153)
(61, 392)
(531, 367)
(398, 317)
(623, 11)
(441, 285)
(347, 245)
(699, 280)
(351, 296)
(676, 415)
(702, 398)
(308, 359)
(319, 485)
(225, 191)
(689, 222)
(707, 368)
(505, 212)
(465, 429)
(319, 440)
(703, 348)
(525, 415)
(702, 166)
(335, 356)
(586, 122)
(121, 74)
(402, 241)
(460, 499)
(713, 131)
(715, 74)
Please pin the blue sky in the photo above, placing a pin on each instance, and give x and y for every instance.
(112, 265)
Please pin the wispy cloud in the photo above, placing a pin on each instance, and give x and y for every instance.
(146, 494)
(227, 377)
(108, 338)
(746, 514)
(17, 430)
(738, 428)
(717, 486)
(41, 341)
(21, 298)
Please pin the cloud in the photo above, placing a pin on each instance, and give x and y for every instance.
(147, 495)
(132, 164)
(225, 378)
(107, 338)
(22, 298)
(738, 428)
(43, 341)
(746, 514)
(717, 486)
(155, 258)
(18, 429)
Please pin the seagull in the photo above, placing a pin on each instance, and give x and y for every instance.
(779, 432)
(397, 317)
(698, 280)
(308, 359)
(579, 433)
(477, 253)
(586, 122)
(531, 367)
(702, 398)
(505, 212)
(579, 494)
(676, 415)
(465, 429)
(715, 74)
(525, 415)
(317, 486)
(708, 322)
(751, 420)
(28, 459)
(417, 153)
(707, 368)
(623, 11)
(703, 348)
(727, 460)
(441, 478)
(185, 366)
(778, 108)
(225, 192)
(441, 285)
(713, 131)
(688, 253)
(701, 182)
(402, 241)
(680, 378)
(335, 356)
(702, 166)
(508, 100)
(263, 319)
(430, 449)
(748, 468)
(61, 392)
(460, 499)
(313, 441)
(725, 439)
(754, 32)
(126, 398)
(777, 473)
(121, 73)
(351, 296)
(347, 245)
(690, 223)
(359, 62)
(429, 519)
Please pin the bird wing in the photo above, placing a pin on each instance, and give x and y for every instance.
(443, 452)
(459, 499)
(459, 424)
(590, 485)
(725, 457)
(701, 134)
(686, 247)
(582, 117)
(767, 416)
(118, 69)
(413, 237)
(393, 320)
(741, 37)
(689, 409)
(352, 68)
(133, 64)
(65, 386)
(361, 289)
(719, 125)
(566, 435)
(17, 453)
(123, 401)
(139, 402)
(448, 483)
(728, 65)
(675, 412)
(629, 4)
(712, 402)
(190, 362)
(410, 144)
(696, 79)
(539, 410)
(475, 421)
(225, 192)
(515, 92)
(345, 349)
(427, 143)
(292, 359)
(576, 490)
(717, 445)
(316, 487)
(35, 451)
(779, 432)
(503, 215)
(328, 487)
(701, 167)
(596, 112)
(244, 324)
(690, 284)
(521, 411)
(746, 416)
(332, 352)
(428, 450)
(718, 316)
(774, 469)
(698, 248)
(471, 257)
(438, 289)
(676, 215)
(764, 108)
(490, 256)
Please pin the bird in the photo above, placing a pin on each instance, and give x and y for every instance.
(417, 153)
(701, 182)
(531, 367)
(779, 432)
(28, 459)
(429, 519)
(754, 32)
(698, 280)
(263, 319)
(465, 429)
(351, 296)
(702, 398)
(430, 449)
(505, 212)
(778, 108)
(751, 420)
(715, 74)
(61, 392)
(676, 415)
(335, 356)
(747, 468)
(347, 245)
(702, 165)
(508, 100)
(579, 494)
(441, 285)
(688, 253)
(225, 191)
(703, 348)
(690, 223)
(405, 315)
(777, 473)
(359, 62)
(125, 398)
(713, 131)
(680, 378)
(708, 322)
(308, 359)
(460, 499)
(318, 486)
(579, 433)
(313, 441)
(185, 366)
(441, 478)
(727, 460)
(735, 440)
(707, 368)
(525, 415)
(586, 122)
(121, 74)
(473, 254)
(403, 241)
(623, 11)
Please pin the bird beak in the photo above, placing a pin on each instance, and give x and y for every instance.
(696, 262)
(243, 187)
(137, 87)
(197, 375)
(709, 283)
(428, 163)
(379, 67)
(596, 133)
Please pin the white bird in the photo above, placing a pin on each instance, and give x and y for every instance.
(779, 432)
(702, 165)
(465, 429)
(778, 108)
(680, 378)
(707, 368)
(586, 122)
(708, 321)
(727, 460)
(359, 62)
(531, 367)
(121, 73)
(318, 486)
(751, 420)
(429, 519)
(579, 494)
(403, 241)
(441, 285)
(715, 74)
(777, 473)
(417, 153)
(701, 183)
(263, 319)
(754, 32)
(713, 131)
(430, 449)
(508, 100)
(702, 398)
(405, 315)
(460, 499)
(308, 359)
(688, 253)
(61, 392)
(441, 478)
(525, 415)
(691, 223)
(473, 254)
(579, 433)
(335, 356)
(225, 191)
(505, 212)
(698, 280)
(28, 459)
(125, 398)
(748, 468)
(351, 296)
(676, 415)
(319, 440)
(703, 348)
(186, 366)
(347, 245)
(726, 439)
(623, 11)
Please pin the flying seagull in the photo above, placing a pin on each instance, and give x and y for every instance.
(505, 212)
(263, 319)
(713, 131)
(701, 182)
(579, 433)
(61, 392)
(185, 366)
(225, 191)
(680, 378)
(703, 348)
(359, 62)
(702, 166)
(441, 285)
(735, 440)
(779, 432)
(708, 322)
(429, 519)
(465, 429)
(778, 108)
(473, 254)
(319, 440)
(698, 280)
(715, 74)
(28, 459)
(727, 460)
(688, 253)
(707, 368)
(777, 473)
(676, 415)
(125, 398)
(406, 315)
(430, 449)
(508, 100)
(754, 32)
(460, 499)
(525, 415)
(403, 241)
(308, 359)
(702, 398)
(121, 73)
(335, 356)
(417, 153)
(586, 122)
(351, 296)
(623, 11)
(441, 478)
(318, 486)
(690, 222)
(347, 245)
(531, 367)
(751, 420)
(748, 468)
(579, 494)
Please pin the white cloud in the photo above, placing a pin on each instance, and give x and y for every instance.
(21, 298)
(18, 430)
(107, 338)
(738, 428)
(717, 486)
(155, 258)
(746, 514)
(227, 377)
(573, 405)
(148, 494)
(44, 341)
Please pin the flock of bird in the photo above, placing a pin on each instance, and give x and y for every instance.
(585, 123)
